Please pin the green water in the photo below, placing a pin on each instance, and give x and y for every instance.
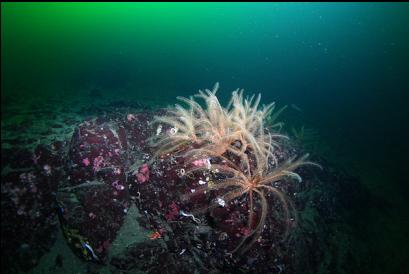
(344, 65)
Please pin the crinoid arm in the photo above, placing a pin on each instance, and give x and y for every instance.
(287, 170)
(247, 241)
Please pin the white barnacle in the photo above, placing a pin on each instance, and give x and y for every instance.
(181, 172)
(221, 202)
(173, 131)
(209, 165)
(158, 130)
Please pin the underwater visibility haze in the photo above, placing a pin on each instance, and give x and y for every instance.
(204, 137)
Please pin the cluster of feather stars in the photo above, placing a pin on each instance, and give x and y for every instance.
(241, 148)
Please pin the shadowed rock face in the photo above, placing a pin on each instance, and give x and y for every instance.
(29, 221)
(95, 196)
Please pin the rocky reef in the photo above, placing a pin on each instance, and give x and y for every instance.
(153, 191)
